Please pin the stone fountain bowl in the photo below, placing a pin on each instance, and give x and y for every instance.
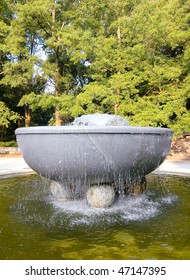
(88, 155)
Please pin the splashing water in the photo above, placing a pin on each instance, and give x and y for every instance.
(124, 210)
(98, 119)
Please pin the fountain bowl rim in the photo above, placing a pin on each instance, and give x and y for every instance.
(69, 129)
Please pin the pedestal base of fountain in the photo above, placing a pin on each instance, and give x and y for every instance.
(101, 196)
(137, 187)
(98, 196)
(60, 192)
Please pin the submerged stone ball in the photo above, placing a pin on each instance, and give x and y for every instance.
(60, 192)
(101, 196)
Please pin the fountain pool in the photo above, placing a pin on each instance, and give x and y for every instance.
(154, 225)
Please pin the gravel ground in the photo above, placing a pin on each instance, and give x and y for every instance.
(180, 149)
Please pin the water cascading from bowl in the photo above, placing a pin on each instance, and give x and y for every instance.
(99, 156)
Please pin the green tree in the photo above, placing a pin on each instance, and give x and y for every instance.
(19, 72)
(121, 57)
(139, 62)
(8, 114)
(53, 21)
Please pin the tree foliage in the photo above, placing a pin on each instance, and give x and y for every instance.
(130, 58)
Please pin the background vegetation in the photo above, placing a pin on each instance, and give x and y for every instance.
(61, 59)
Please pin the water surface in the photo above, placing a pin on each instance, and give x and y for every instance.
(155, 225)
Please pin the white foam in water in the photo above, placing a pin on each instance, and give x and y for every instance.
(98, 119)
(169, 199)
(132, 208)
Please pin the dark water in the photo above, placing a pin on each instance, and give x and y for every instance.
(155, 225)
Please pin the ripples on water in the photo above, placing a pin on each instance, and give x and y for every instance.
(153, 225)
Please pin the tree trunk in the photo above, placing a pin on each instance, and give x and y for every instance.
(18, 122)
(27, 116)
(57, 116)
(57, 89)
(57, 76)
(118, 90)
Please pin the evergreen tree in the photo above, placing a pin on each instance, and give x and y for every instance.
(139, 63)
(53, 22)
(20, 45)
(8, 114)
(122, 57)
